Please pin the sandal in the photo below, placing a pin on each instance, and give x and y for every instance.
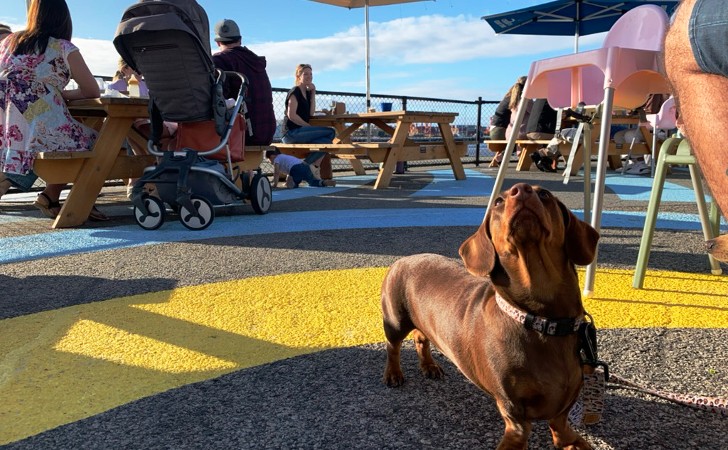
(48, 207)
(97, 216)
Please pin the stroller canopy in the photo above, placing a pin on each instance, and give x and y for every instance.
(168, 42)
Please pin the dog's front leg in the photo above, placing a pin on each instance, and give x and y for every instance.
(428, 366)
(516, 434)
(565, 437)
(393, 375)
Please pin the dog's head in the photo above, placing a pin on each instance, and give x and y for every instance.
(528, 225)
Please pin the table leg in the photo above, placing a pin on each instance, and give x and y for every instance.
(449, 140)
(93, 173)
(401, 132)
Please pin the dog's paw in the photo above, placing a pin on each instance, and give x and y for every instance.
(393, 377)
(579, 444)
(432, 371)
(718, 247)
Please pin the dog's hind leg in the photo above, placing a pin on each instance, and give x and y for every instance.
(428, 366)
(565, 437)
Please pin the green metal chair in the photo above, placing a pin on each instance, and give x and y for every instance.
(675, 151)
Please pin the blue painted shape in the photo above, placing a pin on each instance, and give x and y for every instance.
(77, 241)
(639, 188)
(444, 184)
(304, 191)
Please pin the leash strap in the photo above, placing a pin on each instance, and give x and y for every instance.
(713, 404)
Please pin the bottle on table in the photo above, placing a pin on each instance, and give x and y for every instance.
(133, 87)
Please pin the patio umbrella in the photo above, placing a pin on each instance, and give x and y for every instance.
(365, 4)
(567, 17)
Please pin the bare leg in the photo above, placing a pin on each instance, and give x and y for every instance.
(701, 99)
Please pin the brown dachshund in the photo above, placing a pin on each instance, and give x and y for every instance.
(718, 247)
(527, 246)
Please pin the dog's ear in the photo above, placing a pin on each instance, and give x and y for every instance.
(580, 239)
(478, 252)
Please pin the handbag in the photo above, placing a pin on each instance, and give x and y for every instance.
(201, 136)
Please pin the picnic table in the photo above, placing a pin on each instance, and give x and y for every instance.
(400, 146)
(87, 171)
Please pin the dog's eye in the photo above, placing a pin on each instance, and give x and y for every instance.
(498, 201)
(544, 194)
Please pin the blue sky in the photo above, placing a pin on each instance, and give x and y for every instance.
(438, 49)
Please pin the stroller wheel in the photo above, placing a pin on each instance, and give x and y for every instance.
(155, 218)
(261, 194)
(202, 218)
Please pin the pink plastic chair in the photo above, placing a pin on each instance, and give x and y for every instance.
(665, 119)
(622, 72)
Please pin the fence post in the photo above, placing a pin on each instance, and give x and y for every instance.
(478, 134)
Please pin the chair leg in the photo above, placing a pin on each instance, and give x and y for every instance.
(648, 232)
(710, 221)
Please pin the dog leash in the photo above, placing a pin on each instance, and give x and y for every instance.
(588, 408)
(713, 404)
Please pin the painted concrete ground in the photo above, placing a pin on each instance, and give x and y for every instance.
(97, 319)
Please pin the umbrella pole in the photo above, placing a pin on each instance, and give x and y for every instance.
(366, 64)
(366, 50)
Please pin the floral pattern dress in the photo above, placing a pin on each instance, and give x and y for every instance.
(35, 117)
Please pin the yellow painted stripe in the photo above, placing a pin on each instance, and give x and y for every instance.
(60, 366)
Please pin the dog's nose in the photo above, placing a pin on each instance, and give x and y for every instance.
(520, 190)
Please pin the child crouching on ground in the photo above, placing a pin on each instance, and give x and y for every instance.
(295, 169)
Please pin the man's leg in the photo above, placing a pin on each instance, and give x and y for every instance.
(702, 98)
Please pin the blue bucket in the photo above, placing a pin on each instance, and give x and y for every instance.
(385, 106)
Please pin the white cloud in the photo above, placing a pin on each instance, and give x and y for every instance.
(100, 56)
(428, 43)
(419, 41)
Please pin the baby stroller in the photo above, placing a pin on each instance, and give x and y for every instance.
(167, 42)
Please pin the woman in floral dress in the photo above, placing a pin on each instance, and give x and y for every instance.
(36, 64)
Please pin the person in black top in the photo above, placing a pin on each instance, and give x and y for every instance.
(542, 126)
(300, 106)
(502, 118)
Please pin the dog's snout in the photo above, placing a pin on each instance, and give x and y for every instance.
(520, 190)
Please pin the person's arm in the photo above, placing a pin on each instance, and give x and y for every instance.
(80, 73)
(312, 89)
(276, 174)
(291, 112)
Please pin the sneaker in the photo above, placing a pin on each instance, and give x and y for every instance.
(638, 168)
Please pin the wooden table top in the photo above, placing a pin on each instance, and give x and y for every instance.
(414, 116)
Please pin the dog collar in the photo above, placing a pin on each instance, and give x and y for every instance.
(550, 327)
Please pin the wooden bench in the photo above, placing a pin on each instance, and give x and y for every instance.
(614, 153)
(374, 151)
(63, 167)
(254, 155)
